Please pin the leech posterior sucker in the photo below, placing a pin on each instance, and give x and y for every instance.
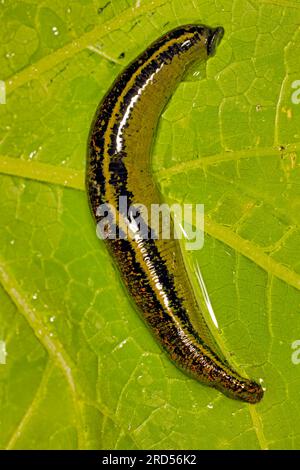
(119, 156)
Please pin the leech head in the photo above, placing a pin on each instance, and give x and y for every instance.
(213, 40)
(208, 37)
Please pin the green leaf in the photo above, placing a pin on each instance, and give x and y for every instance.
(82, 370)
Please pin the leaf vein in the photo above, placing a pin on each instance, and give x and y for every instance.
(51, 345)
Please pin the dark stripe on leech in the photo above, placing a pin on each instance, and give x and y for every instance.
(152, 304)
(119, 179)
(102, 121)
(117, 166)
(174, 50)
(158, 319)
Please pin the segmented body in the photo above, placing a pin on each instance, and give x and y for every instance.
(119, 156)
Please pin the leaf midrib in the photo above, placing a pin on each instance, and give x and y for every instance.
(77, 45)
(52, 345)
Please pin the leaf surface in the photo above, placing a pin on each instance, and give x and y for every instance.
(82, 370)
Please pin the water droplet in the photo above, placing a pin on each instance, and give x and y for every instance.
(12, 242)
(32, 154)
(55, 31)
(210, 406)
(52, 319)
(261, 381)
(34, 296)
(9, 55)
(120, 346)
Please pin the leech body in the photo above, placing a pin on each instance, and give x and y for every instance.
(119, 155)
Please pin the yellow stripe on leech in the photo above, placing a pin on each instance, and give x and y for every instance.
(109, 193)
(113, 120)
